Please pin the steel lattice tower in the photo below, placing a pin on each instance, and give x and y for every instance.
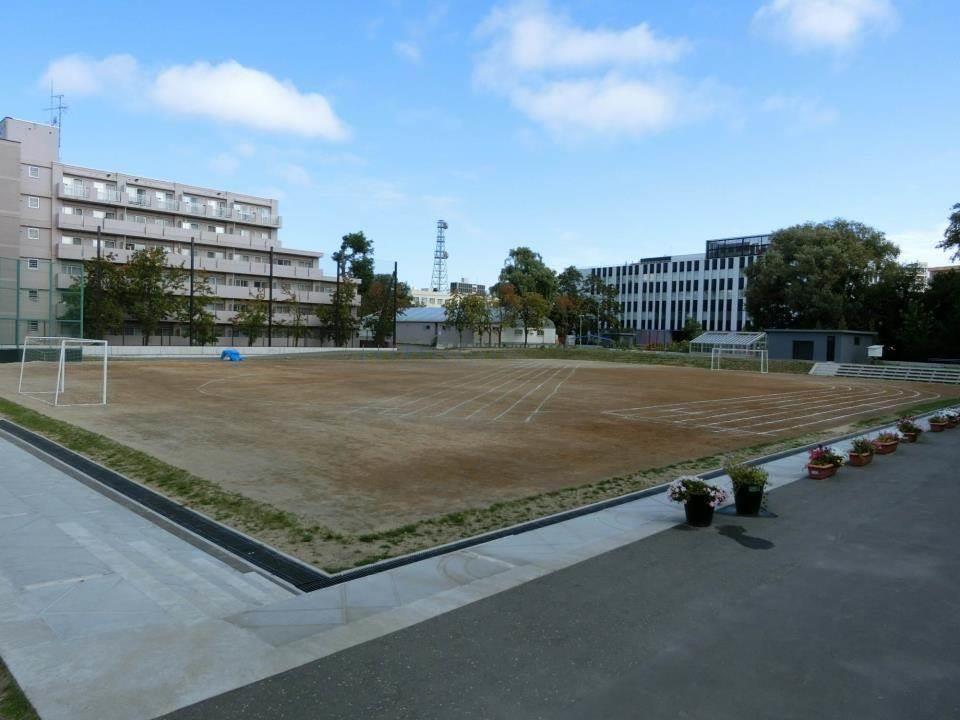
(438, 282)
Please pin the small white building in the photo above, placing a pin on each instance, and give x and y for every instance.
(427, 327)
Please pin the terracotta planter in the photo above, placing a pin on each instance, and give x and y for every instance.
(885, 448)
(953, 423)
(858, 460)
(821, 472)
(938, 427)
(909, 436)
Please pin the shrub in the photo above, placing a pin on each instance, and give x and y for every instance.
(743, 476)
(908, 425)
(688, 486)
(825, 455)
(861, 446)
(939, 419)
(887, 437)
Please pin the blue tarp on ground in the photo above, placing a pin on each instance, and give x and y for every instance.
(231, 355)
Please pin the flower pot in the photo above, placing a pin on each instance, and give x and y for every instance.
(821, 472)
(937, 427)
(885, 448)
(952, 423)
(909, 436)
(748, 499)
(859, 460)
(698, 510)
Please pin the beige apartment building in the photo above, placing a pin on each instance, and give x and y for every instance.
(50, 214)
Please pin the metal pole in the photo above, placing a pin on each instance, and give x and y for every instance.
(394, 303)
(270, 303)
(83, 283)
(336, 310)
(16, 321)
(99, 289)
(192, 253)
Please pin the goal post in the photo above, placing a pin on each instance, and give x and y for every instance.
(758, 356)
(64, 370)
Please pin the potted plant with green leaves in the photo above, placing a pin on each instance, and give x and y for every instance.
(938, 423)
(823, 462)
(748, 483)
(953, 418)
(699, 499)
(886, 443)
(861, 452)
(909, 429)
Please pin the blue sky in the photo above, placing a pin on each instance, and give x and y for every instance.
(595, 132)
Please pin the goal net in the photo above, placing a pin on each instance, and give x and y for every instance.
(739, 359)
(64, 371)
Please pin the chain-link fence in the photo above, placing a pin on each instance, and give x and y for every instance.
(39, 298)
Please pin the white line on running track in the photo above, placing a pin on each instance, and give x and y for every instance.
(881, 404)
(787, 408)
(479, 395)
(440, 388)
(456, 384)
(554, 392)
(746, 398)
(501, 396)
(533, 390)
(840, 417)
(515, 373)
(796, 401)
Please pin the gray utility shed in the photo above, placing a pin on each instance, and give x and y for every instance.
(842, 346)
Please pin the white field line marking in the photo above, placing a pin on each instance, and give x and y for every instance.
(838, 407)
(789, 408)
(508, 391)
(884, 404)
(485, 392)
(200, 388)
(840, 417)
(745, 398)
(776, 403)
(524, 396)
(661, 420)
(552, 393)
(459, 385)
(453, 393)
(376, 404)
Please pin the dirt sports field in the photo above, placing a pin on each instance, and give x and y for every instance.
(359, 446)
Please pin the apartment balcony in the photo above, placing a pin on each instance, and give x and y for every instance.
(225, 213)
(106, 196)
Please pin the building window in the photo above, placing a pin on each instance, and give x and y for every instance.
(73, 270)
(34, 295)
(33, 202)
(856, 339)
(33, 233)
(33, 171)
(33, 263)
(34, 325)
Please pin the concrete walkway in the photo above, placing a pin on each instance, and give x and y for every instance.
(105, 615)
(845, 606)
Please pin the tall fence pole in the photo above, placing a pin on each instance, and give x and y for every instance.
(270, 303)
(192, 260)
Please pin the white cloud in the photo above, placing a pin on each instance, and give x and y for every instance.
(227, 92)
(920, 245)
(574, 80)
(835, 24)
(408, 51)
(81, 75)
(801, 113)
(529, 37)
(230, 92)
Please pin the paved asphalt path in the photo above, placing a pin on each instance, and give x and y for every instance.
(847, 605)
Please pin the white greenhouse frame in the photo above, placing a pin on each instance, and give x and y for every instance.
(60, 346)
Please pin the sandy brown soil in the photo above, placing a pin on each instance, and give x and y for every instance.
(367, 445)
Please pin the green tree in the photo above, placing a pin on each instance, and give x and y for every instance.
(532, 311)
(338, 320)
(951, 236)
(297, 328)
(478, 315)
(204, 321)
(568, 302)
(456, 315)
(525, 271)
(104, 295)
(355, 256)
(600, 302)
(251, 318)
(504, 307)
(377, 306)
(152, 290)
(691, 329)
(818, 276)
(942, 303)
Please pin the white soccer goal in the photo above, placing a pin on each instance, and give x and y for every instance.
(760, 357)
(64, 370)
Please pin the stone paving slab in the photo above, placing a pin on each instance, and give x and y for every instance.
(175, 625)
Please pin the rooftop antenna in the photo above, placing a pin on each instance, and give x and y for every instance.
(439, 279)
(56, 111)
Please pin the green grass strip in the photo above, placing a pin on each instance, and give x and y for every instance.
(13, 703)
